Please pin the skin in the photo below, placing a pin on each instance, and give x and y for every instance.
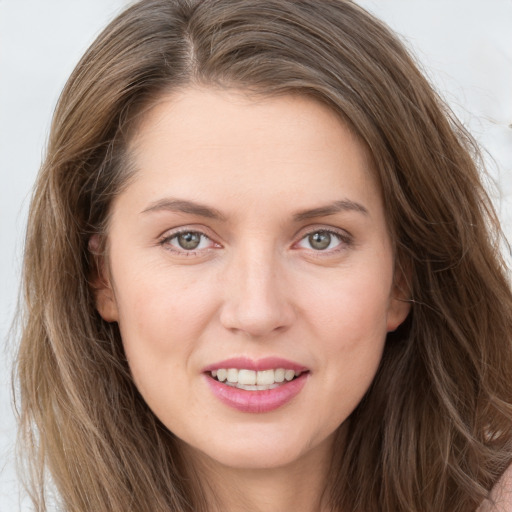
(501, 496)
(255, 287)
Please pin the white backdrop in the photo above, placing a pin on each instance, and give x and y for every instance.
(465, 47)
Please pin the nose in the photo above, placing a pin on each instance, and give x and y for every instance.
(257, 301)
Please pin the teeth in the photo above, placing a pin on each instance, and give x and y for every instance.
(253, 388)
(247, 377)
(265, 378)
(289, 374)
(254, 380)
(232, 375)
(279, 375)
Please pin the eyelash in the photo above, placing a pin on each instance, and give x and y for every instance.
(344, 238)
(165, 242)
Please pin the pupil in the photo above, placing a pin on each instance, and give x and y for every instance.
(189, 240)
(320, 240)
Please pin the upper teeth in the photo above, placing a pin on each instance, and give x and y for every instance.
(254, 378)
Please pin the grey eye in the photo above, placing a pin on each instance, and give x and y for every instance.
(189, 240)
(320, 240)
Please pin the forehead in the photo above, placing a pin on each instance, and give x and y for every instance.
(210, 140)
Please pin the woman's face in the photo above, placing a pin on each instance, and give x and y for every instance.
(250, 248)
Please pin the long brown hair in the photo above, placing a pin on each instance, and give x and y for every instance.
(434, 432)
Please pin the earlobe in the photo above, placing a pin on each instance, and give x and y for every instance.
(101, 284)
(400, 301)
(106, 303)
(398, 311)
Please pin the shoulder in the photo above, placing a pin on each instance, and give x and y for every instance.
(501, 495)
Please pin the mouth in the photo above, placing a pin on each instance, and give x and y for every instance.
(256, 386)
(255, 380)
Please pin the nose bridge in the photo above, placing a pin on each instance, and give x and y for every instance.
(256, 295)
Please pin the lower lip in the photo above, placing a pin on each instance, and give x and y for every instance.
(257, 401)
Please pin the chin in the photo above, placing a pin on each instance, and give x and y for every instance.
(254, 459)
(261, 451)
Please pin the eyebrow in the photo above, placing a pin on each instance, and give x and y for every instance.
(330, 209)
(184, 206)
(191, 207)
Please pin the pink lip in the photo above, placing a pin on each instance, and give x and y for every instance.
(267, 363)
(257, 401)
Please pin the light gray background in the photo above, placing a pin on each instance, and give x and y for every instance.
(465, 47)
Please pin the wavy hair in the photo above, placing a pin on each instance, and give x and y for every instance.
(434, 431)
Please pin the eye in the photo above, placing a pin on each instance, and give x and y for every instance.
(324, 240)
(188, 241)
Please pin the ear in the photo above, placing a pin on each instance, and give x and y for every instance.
(100, 283)
(400, 300)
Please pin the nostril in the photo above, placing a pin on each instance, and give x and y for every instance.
(257, 319)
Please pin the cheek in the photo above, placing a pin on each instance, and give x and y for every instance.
(162, 301)
(159, 337)
(350, 324)
(353, 308)
(162, 319)
(353, 337)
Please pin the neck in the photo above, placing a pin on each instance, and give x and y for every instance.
(299, 485)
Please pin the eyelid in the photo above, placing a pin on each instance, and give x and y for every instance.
(185, 228)
(346, 238)
(169, 234)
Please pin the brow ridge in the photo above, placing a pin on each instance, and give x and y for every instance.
(331, 209)
(184, 206)
(194, 208)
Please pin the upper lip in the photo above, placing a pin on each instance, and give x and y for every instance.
(266, 363)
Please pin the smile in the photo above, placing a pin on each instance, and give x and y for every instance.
(251, 380)
(256, 386)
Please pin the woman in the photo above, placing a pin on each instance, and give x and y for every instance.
(261, 273)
